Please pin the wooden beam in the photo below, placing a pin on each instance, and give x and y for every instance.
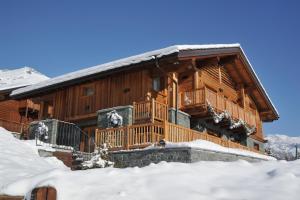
(208, 61)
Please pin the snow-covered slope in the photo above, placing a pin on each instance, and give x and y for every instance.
(10, 79)
(19, 159)
(21, 170)
(282, 146)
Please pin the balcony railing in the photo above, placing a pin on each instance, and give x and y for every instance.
(150, 111)
(201, 97)
(143, 135)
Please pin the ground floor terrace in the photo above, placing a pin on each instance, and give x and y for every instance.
(151, 122)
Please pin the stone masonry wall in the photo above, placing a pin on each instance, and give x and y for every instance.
(141, 158)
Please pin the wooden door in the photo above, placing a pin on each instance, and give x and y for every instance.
(88, 140)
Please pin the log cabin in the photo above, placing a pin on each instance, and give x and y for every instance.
(179, 93)
(16, 114)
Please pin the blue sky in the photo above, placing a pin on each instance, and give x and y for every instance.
(57, 37)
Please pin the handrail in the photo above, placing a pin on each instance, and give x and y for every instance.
(150, 111)
(142, 135)
(70, 135)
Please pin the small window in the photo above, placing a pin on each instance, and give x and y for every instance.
(88, 91)
(156, 84)
(256, 146)
(87, 108)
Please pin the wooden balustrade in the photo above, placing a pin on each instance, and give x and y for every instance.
(142, 135)
(130, 137)
(150, 111)
(177, 133)
(218, 102)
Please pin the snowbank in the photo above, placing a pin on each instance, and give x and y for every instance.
(10, 79)
(20, 159)
(206, 145)
(168, 181)
(21, 170)
(283, 146)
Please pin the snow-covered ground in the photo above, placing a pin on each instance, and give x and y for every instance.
(21, 170)
(20, 77)
(282, 146)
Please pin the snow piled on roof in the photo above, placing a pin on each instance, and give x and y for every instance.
(120, 63)
(283, 146)
(16, 78)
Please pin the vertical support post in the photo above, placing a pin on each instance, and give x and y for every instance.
(166, 131)
(126, 138)
(152, 110)
(133, 112)
(196, 75)
(153, 135)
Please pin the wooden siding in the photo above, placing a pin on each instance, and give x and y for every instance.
(120, 89)
(9, 110)
(74, 103)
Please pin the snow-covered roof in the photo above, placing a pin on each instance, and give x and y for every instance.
(117, 64)
(21, 77)
(138, 59)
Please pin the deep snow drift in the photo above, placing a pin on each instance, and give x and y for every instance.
(20, 77)
(19, 159)
(165, 181)
(282, 146)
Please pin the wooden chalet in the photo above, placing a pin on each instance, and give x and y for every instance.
(215, 85)
(15, 115)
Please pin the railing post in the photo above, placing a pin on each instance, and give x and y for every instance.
(126, 138)
(152, 110)
(133, 111)
(96, 137)
(152, 133)
(166, 131)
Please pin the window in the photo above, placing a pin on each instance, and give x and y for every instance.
(256, 146)
(88, 91)
(156, 84)
(87, 108)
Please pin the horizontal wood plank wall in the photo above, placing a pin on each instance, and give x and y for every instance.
(9, 110)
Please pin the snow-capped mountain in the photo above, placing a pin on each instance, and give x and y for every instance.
(283, 147)
(21, 77)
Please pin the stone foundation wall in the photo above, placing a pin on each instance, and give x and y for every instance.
(251, 141)
(141, 158)
(183, 118)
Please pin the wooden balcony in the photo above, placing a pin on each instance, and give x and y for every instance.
(150, 111)
(143, 135)
(197, 100)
